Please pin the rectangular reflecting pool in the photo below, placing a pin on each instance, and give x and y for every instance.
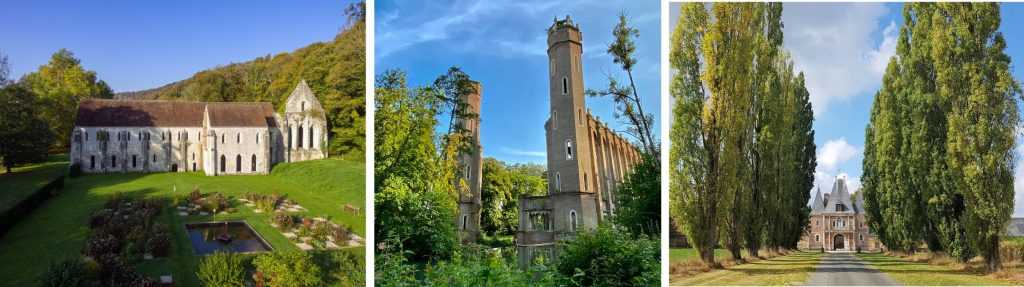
(230, 236)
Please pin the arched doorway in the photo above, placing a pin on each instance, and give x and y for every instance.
(839, 242)
(238, 163)
(223, 163)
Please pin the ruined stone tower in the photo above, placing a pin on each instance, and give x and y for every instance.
(471, 164)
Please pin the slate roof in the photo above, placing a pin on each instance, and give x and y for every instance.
(241, 114)
(120, 113)
(840, 195)
(148, 113)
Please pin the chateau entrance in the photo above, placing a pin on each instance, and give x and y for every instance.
(839, 242)
(174, 167)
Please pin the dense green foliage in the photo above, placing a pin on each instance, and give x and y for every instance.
(414, 192)
(608, 256)
(638, 198)
(58, 87)
(288, 269)
(743, 152)
(334, 70)
(938, 158)
(225, 269)
(502, 186)
(24, 135)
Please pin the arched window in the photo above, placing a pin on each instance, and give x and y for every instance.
(134, 164)
(257, 138)
(154, 157)
(238, 138)
(465, 221)
(253, 163)
(565, 86)
(572, 220)
(238, 163)
(558, 181)
(862, 238)
(92, 162)
(299, 138)
(817, 238)
(303, 106)
(223, 163)
(221, 138)
(86, 136)
(310, 136)
(554, 120)
(568, 149)
(113, 161)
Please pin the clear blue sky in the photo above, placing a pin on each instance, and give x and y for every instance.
(502, 44)
(135, 45)
(843, 49)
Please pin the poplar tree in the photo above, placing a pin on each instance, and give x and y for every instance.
(742, 153)
(938, 154)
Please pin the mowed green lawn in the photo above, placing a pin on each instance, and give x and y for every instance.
(58, 228)
(24, 180)
(686, 254)
(921, 273)
(792, 269)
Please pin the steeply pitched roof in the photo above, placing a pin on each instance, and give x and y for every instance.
(241, 114)
(818, 204)
(140, 113)
(121, 113)
(840, 195)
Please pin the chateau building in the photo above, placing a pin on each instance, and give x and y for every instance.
(837, 222)
(586, 160)
(471, 173)
(178, 136)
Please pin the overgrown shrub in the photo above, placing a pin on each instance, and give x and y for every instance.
(100, 244)
(70, 272)
(284, 221)
(222, 269)
(288, 269)
(159, 242)
(100, 217)
(609, 256)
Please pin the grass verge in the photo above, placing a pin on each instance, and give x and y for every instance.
(791, 269)
(925, 271)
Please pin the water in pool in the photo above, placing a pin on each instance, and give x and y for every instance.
(226, 236)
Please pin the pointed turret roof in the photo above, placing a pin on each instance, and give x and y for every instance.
(818, 204)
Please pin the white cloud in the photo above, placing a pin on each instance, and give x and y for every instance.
(519, 152)
(834, 153)
(835, 46)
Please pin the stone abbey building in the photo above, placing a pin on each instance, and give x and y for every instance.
(837, 222)
(586, 159)
(179, 136)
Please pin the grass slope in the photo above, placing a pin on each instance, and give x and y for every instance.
(792, 269)
(921, 273)
(24, 180)
(58, 228)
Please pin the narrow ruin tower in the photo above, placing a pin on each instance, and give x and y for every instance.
(471, 170)
(568, 143)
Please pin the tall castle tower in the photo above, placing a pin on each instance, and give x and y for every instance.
(586, 159)
(566, 129)
(471, 173)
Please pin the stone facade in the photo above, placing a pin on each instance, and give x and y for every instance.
(586, 160)
(175, 136)
(837, 222)
(471, 172)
